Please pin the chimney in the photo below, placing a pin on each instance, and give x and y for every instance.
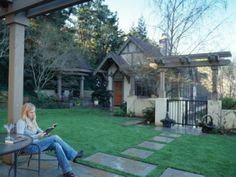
(163, 42)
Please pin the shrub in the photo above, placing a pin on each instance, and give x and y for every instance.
(228, 103)
(121, 111)
(149, 114)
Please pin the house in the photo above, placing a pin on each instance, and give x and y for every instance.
(122, 69)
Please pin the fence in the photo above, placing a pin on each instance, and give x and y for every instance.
(186, 112)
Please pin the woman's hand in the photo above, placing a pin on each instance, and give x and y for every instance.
(42, 134)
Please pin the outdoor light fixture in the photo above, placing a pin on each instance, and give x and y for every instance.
(153, 65)
(5, 3)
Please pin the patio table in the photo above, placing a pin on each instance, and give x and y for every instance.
(13, 148)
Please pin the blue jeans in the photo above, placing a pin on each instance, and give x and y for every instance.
(64, 152)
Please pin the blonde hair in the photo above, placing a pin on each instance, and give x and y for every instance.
(31, 124)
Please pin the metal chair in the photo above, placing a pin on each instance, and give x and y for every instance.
(39, 159)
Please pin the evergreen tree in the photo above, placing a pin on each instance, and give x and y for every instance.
(139, 31)
(97, 30)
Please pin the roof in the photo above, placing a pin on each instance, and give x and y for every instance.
(148, 49)
(109, 60)
(72, 60)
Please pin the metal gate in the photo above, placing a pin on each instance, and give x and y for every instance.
(186, 112)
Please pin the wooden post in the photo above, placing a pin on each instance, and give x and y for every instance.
(59, 85)
(214, 82)
(162, 91)
(16, 25)
(82, 87)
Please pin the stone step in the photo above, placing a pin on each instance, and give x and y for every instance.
(162, 139)
(122, 164)
(137, 153)
(171, 135)
(152, 145)
(170, 172)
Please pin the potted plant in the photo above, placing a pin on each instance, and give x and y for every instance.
(206, 122)
(167, 122)
(95, 101)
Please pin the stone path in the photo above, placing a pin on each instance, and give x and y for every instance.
(169, 172)
(119, 163)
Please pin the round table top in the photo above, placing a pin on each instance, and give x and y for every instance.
(10, 148)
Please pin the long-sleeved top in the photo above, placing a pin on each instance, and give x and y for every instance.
(21, 128)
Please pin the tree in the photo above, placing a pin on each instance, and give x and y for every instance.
(140, 30)
(180, 18)
(97, 30)
(44, 43)
(227, 83)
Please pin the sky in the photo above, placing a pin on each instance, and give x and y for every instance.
(224, 39)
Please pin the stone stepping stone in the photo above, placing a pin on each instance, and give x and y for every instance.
(171, 135)
(119, 163)
(132, 122)
(151, 145)
(137, 153)
(163, 139)
(170, 172)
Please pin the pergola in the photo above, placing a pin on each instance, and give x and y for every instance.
(17, 14)
(213, 60)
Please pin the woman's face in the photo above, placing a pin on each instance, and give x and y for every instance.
(31, 114)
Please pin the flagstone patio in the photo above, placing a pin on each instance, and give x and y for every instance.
(50, 169)
(179, 129)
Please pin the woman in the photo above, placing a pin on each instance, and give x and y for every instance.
(27, 125)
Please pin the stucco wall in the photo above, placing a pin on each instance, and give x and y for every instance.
(126, 89)
(160, 110)
(230, 118)
(221, 117)
(111, 70)
(136, 105)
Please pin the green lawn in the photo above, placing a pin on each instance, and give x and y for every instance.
(95, 130)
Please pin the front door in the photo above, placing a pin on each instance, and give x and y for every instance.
(118, 92)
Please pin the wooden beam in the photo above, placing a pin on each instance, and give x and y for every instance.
(198, 56)
(175, 64)
(20, 5)
(52, 6)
